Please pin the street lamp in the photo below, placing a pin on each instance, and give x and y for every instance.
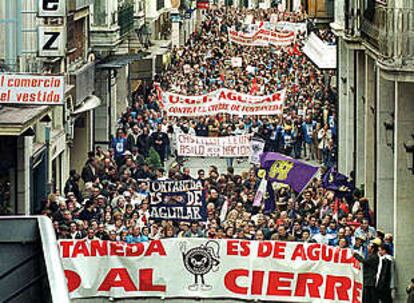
(409, 148)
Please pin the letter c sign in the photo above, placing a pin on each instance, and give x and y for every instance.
(52, 8)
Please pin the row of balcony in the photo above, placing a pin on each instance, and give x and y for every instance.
(390, 31)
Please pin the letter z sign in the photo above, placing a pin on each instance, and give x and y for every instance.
(51, 41)
(52, 8)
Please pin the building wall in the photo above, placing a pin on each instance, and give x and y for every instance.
(383, 88)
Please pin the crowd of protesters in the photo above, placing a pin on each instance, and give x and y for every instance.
(109, 198)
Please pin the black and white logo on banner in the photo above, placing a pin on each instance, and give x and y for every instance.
(199, 261)
(52, 8)
(51, 41)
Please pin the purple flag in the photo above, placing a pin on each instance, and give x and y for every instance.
(283, 169)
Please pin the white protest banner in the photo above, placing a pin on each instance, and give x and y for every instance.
(31, 89)
(201, 268)
(262, 37)
(291, 26)
(222, 101)
(256, 149)
(177, 200)
(229, 147)
(320, 53)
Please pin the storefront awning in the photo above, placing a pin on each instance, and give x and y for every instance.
(91, 102)
(120, 61)
(15, 120)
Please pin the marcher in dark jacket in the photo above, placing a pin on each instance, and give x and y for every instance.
(89, 171)
(370, 269)
(385, 276)
(72, 185)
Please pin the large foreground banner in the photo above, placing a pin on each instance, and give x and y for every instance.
(229, 147)
(222, 101)
(202, 268)
(262, 37)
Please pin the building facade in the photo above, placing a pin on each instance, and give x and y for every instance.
(43, 38)
(105, 49)
(376, 113)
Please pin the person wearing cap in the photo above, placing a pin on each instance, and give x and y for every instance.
(359, 246)
(385, 275)
(370, 270)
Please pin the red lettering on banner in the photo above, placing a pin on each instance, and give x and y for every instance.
(337, 288)
(279, 283)
(145, 281)
(313, 251)
(356, 292)
(299, 253)
(80, 249)
(230, 281)
(73, 280)
(232, 247)
(245, 246)
(99, 248)
(279, 252)
(309, 281)
(134, 250)
(264, 249)
(174, 99)
(117, 277)
(155, 247)
(116, 249)
(257, 282)
(65, 245)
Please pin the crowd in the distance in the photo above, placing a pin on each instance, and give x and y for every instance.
(109, 200)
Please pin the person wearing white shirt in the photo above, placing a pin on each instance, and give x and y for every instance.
(322, 237)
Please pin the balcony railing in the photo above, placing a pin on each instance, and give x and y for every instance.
(390, 31)
(126, 17)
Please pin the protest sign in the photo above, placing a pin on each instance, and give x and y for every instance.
(31, 89)
(229, 147)
(256, 149)
(262, 37)
(201, 268)
(286, 170)
(236, 62)
(222, 101)
(177, 200)
(291, 26)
